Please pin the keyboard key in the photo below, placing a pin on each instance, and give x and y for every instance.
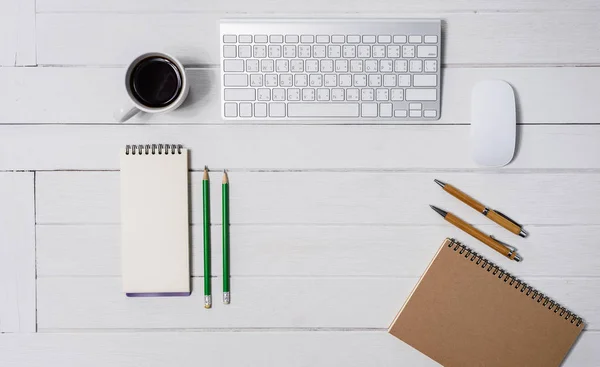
(415, 39)
(352, 94)
(326, 66)
(300, 80)
(236, 80)
(315, 80)
(338, 39)
(274, 51)
(307, 38)
(308, 94)
(312, 66)
(291, 38)
(367, 94)
(331, 80)
(260, 38)
(264, 94)
(229, 38)
(369, 110)
(371, 66)
(251, 65)
(230, 109)
(383, 95)
(322, 94)
(260, 110)
(229, 51)
(399, 39)
(353, 39)
(385, 110)
(416, 66)
(384, 39)
(404, 80)
(397, 94)
(430, 113)
(356, 66)
(415, 106)
(368, 39)
(337, 94)
(400, 66)
(282, 66)
(304, 51)
(386, 66)
(239, 94)
(341, 66)
(400, 113)
(267, 65)
(431, 39)
(286, 80)
(360, 80)
(276, 38)
(415, 113)
(278, 94)
(297, 66)
(349, 51)
(420, 95)
(244, 51)
(345, 80)
(425, 80)
(389, 80)
(293, 94)
(277, 110)
(289, 51)
(260, 51)
(393, 52)
(319, 51)
(245, 38)
(233, 65)
(256, 80)
(322, 38)
(271, 80)
(364, 51)
(334, 51)
(408, 51)
(430, 66)
(378, 51)
(323, 109)
(245, 109)
(427, 51)
(375, 80)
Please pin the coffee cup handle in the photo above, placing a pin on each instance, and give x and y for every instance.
(125, 113)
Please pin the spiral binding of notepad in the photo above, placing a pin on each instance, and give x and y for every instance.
(515, 282)
(148, 149)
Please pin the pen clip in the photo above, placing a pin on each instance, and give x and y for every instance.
(507, 218)
(511, 248)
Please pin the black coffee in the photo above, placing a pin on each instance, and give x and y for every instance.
(156, 82)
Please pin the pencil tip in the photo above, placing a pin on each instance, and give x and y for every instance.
(205, 175)
(439, 211)
(225, 177)
(439, 182)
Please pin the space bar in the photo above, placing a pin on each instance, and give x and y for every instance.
(322, 109)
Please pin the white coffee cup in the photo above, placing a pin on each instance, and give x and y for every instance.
(174, 93)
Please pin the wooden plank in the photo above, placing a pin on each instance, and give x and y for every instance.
(8, 32)
(302, 250)
(310, 6)
(289, 302)
(325, 348)
(281, 147)
(363, 198)
(471, 38)
(17, 253)
(26, 53)
(39, 95)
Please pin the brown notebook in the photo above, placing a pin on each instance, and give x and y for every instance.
(466, 311)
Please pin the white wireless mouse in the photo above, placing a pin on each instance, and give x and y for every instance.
(493, 123)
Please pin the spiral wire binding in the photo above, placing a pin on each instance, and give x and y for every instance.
(515, 282)
(149, 149)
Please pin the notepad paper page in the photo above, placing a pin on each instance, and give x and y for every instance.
(155, 224)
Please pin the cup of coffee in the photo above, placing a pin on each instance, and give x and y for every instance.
(155, 83)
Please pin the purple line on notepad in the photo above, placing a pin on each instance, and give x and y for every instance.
(164, 294)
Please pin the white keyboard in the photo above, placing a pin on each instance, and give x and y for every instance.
(376, 69)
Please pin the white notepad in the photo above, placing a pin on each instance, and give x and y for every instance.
(154, 221)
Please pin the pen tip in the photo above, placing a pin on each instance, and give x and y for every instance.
(439, 182)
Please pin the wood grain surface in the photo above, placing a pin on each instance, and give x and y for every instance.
(331, 226)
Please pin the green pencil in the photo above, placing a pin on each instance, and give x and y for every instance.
(225, 203)
(206, 213)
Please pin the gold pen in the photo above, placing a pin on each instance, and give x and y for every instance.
(492, 242)
(494, 215)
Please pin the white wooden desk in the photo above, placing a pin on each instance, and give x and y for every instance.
(330, 222)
